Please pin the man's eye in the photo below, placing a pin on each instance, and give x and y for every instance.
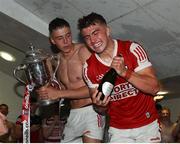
(95, 33)
(86, 37)
(68, 35)
(60, 38)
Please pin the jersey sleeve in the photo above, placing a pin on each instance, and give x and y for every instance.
(86, 75)
(142, 60)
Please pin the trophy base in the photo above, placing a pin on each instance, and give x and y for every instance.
(47, 102)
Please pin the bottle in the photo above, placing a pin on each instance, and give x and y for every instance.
(107, 84)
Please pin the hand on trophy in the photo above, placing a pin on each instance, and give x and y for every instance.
(48, 93)
(39, 72)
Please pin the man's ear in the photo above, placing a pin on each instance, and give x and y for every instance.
(108, 31)
(51, 41)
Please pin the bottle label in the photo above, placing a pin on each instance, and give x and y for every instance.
(107, 88)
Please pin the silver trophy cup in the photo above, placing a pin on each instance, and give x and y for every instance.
(40, 70)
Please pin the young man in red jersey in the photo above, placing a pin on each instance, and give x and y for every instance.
(133, 116)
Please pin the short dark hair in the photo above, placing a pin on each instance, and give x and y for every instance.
(57, 23)
(5, 105)
(90, 19)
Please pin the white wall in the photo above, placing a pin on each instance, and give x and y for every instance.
(16, 11)
(9, 97)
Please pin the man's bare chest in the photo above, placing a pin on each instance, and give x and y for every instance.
(70, 71)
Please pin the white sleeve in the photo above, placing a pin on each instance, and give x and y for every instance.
(142, 58)
(86, 78)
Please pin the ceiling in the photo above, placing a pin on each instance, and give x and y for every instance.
(153, 23)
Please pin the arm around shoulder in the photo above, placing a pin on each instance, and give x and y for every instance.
(84, 52)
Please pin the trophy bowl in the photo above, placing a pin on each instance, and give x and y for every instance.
(40, 70)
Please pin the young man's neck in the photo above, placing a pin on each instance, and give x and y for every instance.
(107, 54)
(70, 52)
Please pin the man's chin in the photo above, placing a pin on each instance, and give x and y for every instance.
(99, 52)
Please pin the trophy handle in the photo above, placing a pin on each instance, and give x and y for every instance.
(57, 59)
(18, 68)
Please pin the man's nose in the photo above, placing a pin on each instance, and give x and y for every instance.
(93, 39)
(65, 40)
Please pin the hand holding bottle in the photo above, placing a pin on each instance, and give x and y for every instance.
(107, 83)
(118, 65)
(96, 98)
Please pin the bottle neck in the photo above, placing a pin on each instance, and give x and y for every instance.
(113, 71)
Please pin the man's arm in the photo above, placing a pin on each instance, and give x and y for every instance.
(176, 128)
(144, 80)
(52, 93)
(84, 53)
(18, 131)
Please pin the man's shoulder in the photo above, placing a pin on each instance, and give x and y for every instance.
(125, 43)
(79, 45)
(92, 59)
(83, 52)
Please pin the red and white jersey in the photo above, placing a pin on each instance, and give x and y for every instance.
(129, 107)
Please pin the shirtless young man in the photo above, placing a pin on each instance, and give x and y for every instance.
(83, 124)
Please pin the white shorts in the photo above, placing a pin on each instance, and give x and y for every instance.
(145, 134)
(83, 122)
